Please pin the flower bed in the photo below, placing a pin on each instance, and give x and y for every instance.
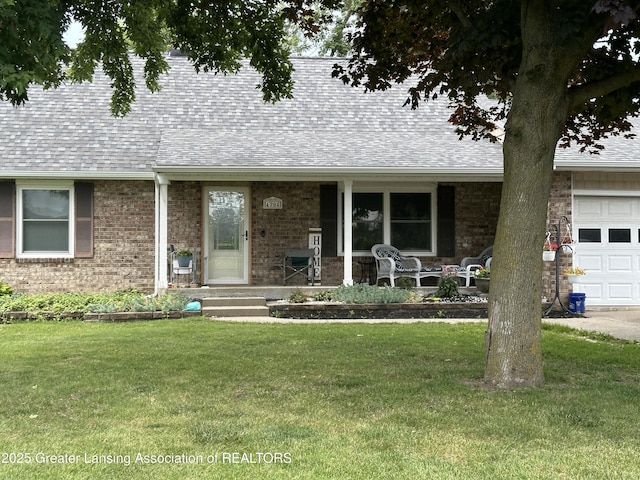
(452, 308)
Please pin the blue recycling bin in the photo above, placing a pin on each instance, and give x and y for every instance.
(576, 302)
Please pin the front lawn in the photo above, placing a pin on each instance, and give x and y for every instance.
(198, 398)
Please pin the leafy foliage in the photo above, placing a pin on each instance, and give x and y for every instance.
(565, 71)
(60, 304)
(298, 296)
(406, 283)
(214, 35)
(5, 289)
(482, 273)
(365, 293)
(447, 286)
(468, 49)
(325, 296)
(329, 38)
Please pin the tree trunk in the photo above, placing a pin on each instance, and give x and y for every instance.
(539, 111)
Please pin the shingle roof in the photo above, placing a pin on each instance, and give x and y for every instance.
(208, 122)
(327, 124)
(70, 130)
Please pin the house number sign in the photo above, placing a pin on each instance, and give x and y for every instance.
(272, 203)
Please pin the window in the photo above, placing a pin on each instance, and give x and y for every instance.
(45, 226)
(404, 219)
(589, 235)
(368, 220)
(619, 235)
(411, 221)
(46, 220)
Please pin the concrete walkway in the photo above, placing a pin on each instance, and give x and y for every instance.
(619, 323)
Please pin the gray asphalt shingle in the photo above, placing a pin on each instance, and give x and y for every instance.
(208, 121)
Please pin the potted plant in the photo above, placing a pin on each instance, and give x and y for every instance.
(184, 257)
(482, 277)
(549, 251)
(574, 274)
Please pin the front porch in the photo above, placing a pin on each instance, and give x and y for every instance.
(459, 221)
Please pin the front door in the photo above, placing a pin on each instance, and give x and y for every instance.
(227, 235)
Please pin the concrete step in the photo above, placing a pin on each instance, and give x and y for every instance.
(235, 307)
(236, 311)
(234, 302)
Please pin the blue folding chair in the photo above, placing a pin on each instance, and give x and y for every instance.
(299, 262)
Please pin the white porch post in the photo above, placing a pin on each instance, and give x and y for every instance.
(348, 232)
(161, 231)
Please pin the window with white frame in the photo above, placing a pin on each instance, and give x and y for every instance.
(404, 218)
(45, 220)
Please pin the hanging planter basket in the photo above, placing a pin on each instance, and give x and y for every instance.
(568, 247)
(548, 255)
(574, 278)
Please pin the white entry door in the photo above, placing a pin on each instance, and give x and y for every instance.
(226, 235)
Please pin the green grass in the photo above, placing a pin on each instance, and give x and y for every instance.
(337, 401)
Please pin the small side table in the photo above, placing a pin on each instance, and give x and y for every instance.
(368, 273)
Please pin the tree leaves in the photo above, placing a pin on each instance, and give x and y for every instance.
(31, 46)
(470, 49)
(216, 36)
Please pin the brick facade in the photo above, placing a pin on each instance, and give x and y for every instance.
(477, 209)
(124, 234)
(184, 218)
(124, 248)
(560, 205)
(274, 230)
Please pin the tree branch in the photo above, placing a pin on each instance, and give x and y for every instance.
(457, 9)
(580, 94)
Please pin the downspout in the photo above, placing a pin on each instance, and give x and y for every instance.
(348, 232)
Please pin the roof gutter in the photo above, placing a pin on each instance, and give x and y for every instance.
(76, 175)
(600, 166)
(330, 173)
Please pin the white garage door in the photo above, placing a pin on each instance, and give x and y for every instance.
(607, 230)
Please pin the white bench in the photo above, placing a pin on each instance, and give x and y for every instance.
(392, 264)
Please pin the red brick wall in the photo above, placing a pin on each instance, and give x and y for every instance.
(477, 207)
(123, 248)
(124, 235)
(184, 219)
(273, 231)
(559, 205)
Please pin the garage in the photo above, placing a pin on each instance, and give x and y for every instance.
(607, 231)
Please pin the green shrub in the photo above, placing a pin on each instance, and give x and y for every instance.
(171, 302)
(406, 283)
(298, 296)
(325, 296)
(109, 307)
(61, 303)
(365, 293)
(447, 286)
(5, 289)
(143, 304)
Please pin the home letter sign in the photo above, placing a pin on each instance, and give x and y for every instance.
(315, 242)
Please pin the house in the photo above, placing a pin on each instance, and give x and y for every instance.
(89, 202)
